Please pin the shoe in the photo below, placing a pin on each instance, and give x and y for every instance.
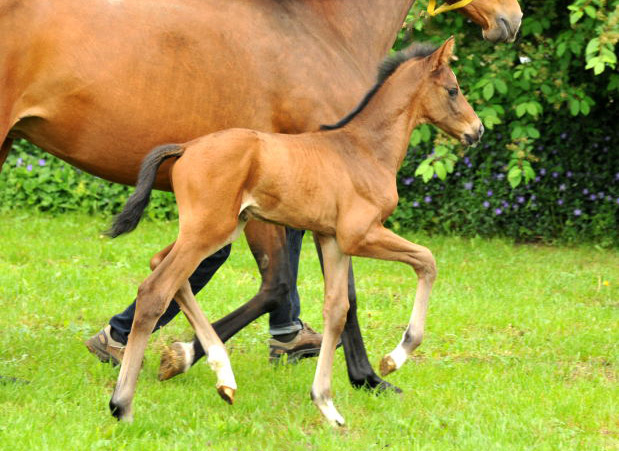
(105, 347)
(306, 344)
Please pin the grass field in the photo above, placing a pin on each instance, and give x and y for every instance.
(521, 350)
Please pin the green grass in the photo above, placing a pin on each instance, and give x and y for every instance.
(520, 352)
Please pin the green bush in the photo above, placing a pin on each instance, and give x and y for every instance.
(548, 168)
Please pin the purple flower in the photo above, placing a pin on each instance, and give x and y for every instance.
(415, 204)
(555, 174)
(563, 135)
(577, 212)
(498, 211)
(569, 174)
(562, 187)
(560, 202)
(593, 197)
(427, 199)
(520, 199)
(29, 168)
(486, 204)
(467, 161)
(542, 171)
(585, 191)
(468, 185)
(489, 193)
(616, 175)
(407, 181)
(537, 179)
(533, 197)
(500, 176)
(41, 162)
(505, 204)
(20, 161)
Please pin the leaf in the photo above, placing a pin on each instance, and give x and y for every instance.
(584, 107)
(574, 107)
(428, 173)
(521, 109)
(500, 86)
(514, 176)
(422, 167)
(440, 170)
(488, 91)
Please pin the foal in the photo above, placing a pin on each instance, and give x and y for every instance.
(339, 182)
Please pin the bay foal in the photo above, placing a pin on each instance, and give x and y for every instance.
(339, 182)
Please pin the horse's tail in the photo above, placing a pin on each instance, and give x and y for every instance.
(128, 219)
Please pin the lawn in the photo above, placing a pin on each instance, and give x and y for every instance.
(520, 352)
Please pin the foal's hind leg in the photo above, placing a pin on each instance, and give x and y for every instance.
(267, 243)
(334, 314)
(154, 295)
(218, 358)
(383, 244)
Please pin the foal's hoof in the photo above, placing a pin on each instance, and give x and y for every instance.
(173, 361)
(387, 366)
(226, 393)
(121, 413)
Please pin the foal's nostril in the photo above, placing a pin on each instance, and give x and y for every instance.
(469, 139)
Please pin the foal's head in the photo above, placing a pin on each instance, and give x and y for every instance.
(440, 101)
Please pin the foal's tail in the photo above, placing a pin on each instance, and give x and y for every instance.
(128, 219)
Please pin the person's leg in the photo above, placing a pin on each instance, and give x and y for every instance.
(284, 319)
(291, 336)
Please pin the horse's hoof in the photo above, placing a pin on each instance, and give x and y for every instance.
(121, 413)
(226, 393)
(173, 361)
(387, 366)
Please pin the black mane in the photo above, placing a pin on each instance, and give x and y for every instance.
(385, 70)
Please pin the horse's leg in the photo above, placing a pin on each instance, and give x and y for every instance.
(360, 372)
(383, 244)
(336, 267)
(267, 243)
(154, 295)
(217, 356)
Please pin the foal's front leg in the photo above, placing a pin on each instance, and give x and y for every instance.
(336, 266)
(383, 244)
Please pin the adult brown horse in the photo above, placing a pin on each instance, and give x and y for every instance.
(98, 83)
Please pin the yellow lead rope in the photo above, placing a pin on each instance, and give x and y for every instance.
(445, 7)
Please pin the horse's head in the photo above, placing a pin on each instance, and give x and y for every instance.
(441, 101)
(499, 19)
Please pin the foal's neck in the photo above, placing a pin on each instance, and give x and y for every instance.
(384, 126)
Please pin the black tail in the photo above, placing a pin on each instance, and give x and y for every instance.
(128, 219)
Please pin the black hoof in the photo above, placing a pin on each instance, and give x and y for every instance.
(116, 410)
(375, 384)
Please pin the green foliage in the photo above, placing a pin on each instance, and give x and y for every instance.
(34, 179)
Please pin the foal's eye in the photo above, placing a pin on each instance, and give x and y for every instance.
(453, 92)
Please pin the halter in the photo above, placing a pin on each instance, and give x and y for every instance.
(445, 7)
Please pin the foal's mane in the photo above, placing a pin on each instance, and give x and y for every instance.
(385, 70)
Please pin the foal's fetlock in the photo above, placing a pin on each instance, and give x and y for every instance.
(175, 359)
(324, 402)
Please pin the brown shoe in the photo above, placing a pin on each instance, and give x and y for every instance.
(105, 347)
(305, 344)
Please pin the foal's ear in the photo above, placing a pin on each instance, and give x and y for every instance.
(443, 54)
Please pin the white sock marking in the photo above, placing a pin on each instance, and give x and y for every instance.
(220, 363)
